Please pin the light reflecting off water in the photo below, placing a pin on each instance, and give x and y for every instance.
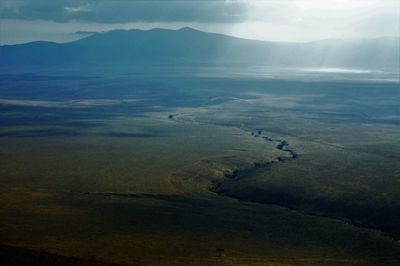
(341, 70)
(317, 74)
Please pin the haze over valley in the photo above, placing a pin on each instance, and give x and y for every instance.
(180, 146)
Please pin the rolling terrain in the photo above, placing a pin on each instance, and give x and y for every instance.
(127, 49)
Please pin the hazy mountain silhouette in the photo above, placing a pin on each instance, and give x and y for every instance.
(122, 48)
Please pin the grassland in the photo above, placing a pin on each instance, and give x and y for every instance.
(121, 170)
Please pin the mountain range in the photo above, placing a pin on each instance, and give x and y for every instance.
(187, 46)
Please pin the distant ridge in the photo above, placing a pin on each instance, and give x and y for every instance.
(188, 46)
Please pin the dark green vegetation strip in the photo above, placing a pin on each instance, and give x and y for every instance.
(176, 198)
(357, 212)
(242, 173)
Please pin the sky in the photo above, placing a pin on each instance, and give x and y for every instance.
(272, 20)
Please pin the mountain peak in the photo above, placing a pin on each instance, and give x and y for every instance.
(187, 29)
(194, 47)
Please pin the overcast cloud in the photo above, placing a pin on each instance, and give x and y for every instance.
(280, 20)
(108, 11)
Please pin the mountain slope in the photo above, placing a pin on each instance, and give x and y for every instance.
(192, 47)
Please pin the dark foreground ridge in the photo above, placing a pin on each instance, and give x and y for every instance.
(18, 256)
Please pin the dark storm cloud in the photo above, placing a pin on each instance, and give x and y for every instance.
(103, 11)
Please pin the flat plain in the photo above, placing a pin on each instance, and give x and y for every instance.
(201, 169)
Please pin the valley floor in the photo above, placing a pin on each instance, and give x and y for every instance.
(232, 171)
